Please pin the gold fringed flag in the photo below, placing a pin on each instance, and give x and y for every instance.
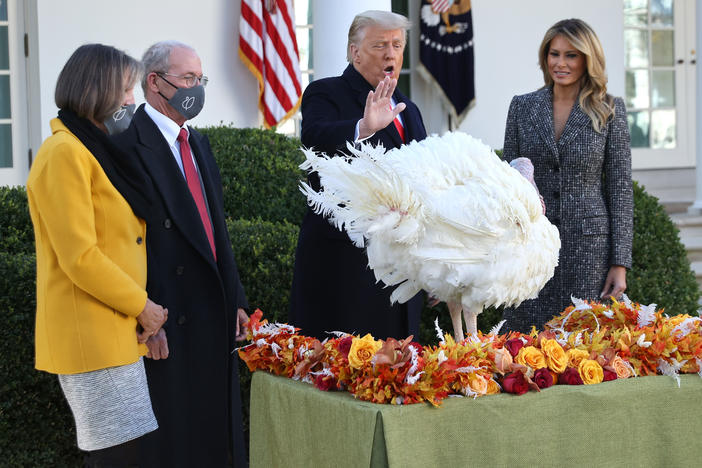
(446, 53)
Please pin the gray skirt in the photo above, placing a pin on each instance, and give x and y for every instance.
(111, 406)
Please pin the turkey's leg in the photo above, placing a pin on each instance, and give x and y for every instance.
(471, 321)
(456, 319)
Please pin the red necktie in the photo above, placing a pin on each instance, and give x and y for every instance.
(195, 187)
(399, 127)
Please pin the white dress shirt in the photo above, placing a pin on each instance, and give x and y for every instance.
(170, 131)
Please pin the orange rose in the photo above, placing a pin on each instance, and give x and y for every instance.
(503, 359)
(556, 358)
(590, 371)
(532, 357)
(492, 387)
(362, 350)
(478, 384)
(621, 367)
(575, 356)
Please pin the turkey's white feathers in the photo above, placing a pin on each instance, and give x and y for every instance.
(445, 215)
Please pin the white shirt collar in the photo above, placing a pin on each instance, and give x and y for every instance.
(168, 127)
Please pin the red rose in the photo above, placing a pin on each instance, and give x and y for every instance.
(571, 376)
(543, 378)
(325, 382)
(609, 375)
(514, 345)
(515, 383)
(344, 345)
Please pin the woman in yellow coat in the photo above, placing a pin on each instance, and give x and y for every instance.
(93, 314)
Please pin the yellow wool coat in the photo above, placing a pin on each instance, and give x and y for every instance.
(91, 261)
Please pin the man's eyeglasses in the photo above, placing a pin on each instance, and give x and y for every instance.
(190, 80)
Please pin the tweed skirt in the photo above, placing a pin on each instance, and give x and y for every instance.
(110, 406)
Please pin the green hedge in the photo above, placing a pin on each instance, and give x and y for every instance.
(36, 425)
(265, 254)
(260, 173)
(660, 271)
(16, 233)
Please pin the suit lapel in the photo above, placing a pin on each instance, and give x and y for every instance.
(541, 115)
(577, 121)
(165, 173)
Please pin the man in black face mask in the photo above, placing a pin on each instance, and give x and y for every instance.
(193, 376)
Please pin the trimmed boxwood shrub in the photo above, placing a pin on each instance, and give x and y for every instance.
(36, 425)
(260, 174)
(16, 233)
(660, 271)
(265, 254)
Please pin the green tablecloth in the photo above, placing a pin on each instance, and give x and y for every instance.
(647, 421)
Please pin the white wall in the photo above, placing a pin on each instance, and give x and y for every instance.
(210, 26)
(507, 35)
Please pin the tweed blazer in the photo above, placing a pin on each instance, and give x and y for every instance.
(585, 179)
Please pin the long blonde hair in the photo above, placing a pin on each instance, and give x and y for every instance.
(594, 100)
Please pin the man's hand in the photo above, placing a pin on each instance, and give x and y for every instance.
(615, 284)
(241, 320)
(151, 319)
(158, 346)
(378, 112)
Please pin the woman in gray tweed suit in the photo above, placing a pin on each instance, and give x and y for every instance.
(577, 137)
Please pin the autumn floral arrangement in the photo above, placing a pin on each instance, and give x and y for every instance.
(588, 343)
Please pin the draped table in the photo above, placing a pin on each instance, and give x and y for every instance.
(645, 421)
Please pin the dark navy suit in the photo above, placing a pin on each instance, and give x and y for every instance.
(195, 391)
(333, 288)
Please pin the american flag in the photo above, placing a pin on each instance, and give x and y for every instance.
(268, 47)
(440, 6)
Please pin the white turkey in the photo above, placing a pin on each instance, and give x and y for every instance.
(444, 215)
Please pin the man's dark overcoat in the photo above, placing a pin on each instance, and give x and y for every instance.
(333, 287)
(195, 391)
(585, 179)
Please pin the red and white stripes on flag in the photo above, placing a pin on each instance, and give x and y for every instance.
(440, 6)
(268, 47)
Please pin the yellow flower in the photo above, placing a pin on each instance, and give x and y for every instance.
(575, 356)
(620, 366)
(532, 357)
(362, 350)
(492, 387)
(590, 371)
(556, 358)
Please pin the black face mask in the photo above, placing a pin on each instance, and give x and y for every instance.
(187, 101)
